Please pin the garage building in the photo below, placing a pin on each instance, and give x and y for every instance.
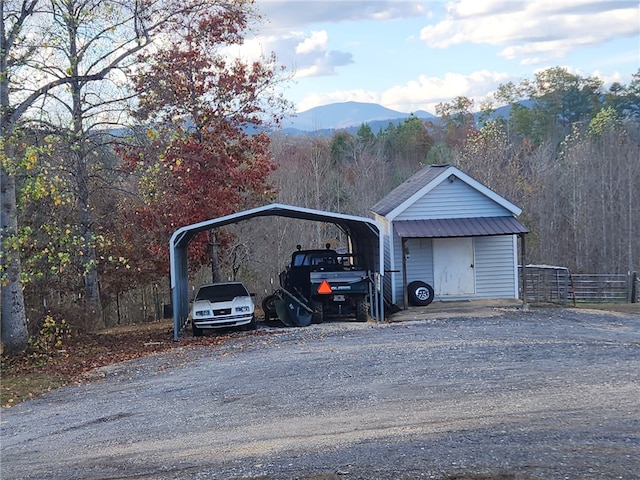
(445, 229)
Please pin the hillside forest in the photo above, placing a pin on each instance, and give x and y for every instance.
(121, 124)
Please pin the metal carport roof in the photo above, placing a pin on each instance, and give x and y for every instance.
(364, 235)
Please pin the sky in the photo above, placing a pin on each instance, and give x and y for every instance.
(412, 55)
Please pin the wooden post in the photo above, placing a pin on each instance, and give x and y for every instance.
(633, 287)
(524, 270)
(404, 274)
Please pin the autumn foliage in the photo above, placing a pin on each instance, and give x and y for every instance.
(199, 157)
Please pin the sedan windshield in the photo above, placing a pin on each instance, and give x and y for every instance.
(222, 293)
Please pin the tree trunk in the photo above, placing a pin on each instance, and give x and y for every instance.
(15, 335)
(14, 324)
(215, 265)
(94, 319)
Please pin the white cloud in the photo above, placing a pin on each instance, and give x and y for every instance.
(287, 14)
(318, 41)
(323, 64)
(534, 30)
(305, 55)
(424, 93)
(534, 53)
(474, 8)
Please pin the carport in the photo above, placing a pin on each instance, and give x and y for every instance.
(363, 235)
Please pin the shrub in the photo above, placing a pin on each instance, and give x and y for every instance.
(53, 336)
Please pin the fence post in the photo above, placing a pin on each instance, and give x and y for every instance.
(633, 293)
(524, 272)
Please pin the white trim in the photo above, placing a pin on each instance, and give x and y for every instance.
(392, 264)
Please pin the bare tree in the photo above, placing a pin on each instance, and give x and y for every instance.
(13, 56)
(82, 45)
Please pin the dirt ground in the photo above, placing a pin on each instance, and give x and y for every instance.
(506, 394)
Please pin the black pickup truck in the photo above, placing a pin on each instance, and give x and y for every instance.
(318, 284)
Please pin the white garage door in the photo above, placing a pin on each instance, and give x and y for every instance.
(453, 266)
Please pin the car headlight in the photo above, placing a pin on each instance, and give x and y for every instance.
(203, 313)
(242, 309)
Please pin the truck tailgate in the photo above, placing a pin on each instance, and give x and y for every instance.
(339, 278)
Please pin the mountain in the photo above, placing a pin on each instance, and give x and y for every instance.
(347, 115)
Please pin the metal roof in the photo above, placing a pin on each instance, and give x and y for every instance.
(408, 188)
(459, 227)
(363, 233)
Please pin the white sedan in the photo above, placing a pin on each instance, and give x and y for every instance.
(222, 305)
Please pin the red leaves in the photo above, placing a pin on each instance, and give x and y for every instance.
(201, 162)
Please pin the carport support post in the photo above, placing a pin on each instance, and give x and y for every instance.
(404, 273)
(179, 286)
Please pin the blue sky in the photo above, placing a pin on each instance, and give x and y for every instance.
(412, 55)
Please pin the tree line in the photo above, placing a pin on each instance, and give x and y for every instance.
(560, 146)
(123, 121)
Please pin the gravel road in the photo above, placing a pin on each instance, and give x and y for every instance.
(540, 394)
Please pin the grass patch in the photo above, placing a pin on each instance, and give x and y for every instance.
(18, 388)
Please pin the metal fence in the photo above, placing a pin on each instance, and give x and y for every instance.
(557, 285)
(547, 284)
(601, 288)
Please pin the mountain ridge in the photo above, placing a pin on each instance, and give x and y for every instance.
(347, 115)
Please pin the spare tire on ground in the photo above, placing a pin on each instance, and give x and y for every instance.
(420, 293)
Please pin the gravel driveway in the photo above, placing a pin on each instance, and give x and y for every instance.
(543, 394)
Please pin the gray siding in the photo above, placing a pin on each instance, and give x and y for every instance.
(453, 200)
(419, 264)
(494, 267)
(495, 275)
(420, 261)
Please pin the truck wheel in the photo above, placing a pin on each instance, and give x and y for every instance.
(362, 311)
(269, 308)
(420, 294)
(317, 317)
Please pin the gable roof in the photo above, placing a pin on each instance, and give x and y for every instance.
(425, 180)
(407, 188)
